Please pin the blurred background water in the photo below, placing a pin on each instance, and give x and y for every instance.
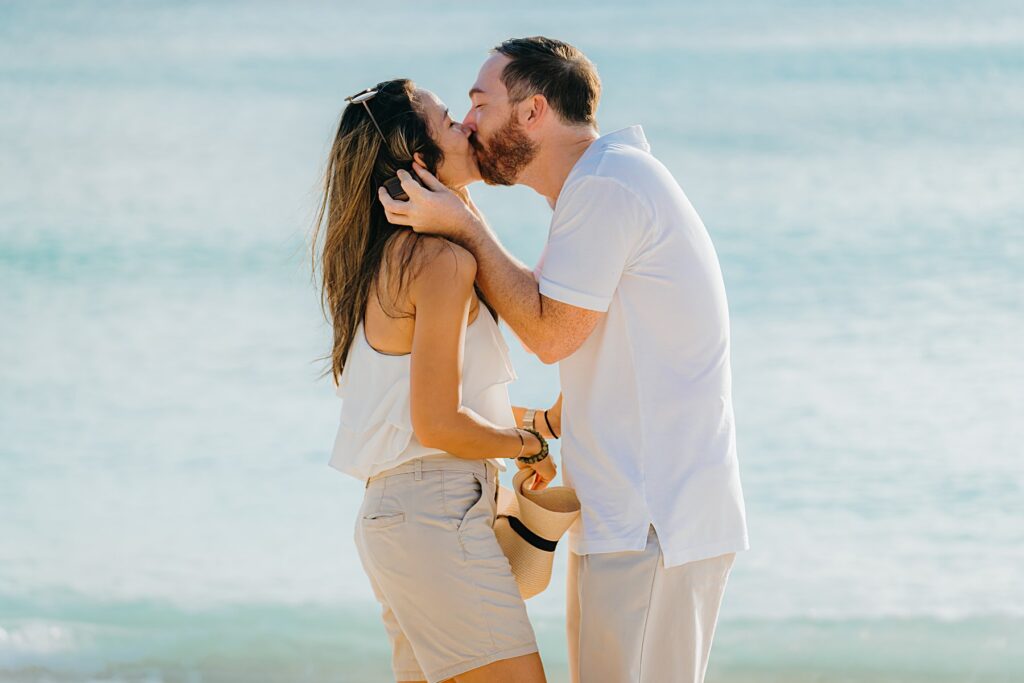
(166, 511)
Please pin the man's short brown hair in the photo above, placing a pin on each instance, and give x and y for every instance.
(556, 70)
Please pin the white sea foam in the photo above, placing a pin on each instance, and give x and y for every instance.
(36, 641)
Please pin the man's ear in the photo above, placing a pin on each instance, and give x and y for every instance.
(535, 109)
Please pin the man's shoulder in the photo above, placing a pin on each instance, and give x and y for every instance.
(629, 175)
(608, 193)
(627, 165)
(613, 159)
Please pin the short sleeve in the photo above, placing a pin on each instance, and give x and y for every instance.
(597, 226)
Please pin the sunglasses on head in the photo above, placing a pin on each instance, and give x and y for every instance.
(392, 185)
(363, 97)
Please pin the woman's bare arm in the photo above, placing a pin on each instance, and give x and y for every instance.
(442, 295)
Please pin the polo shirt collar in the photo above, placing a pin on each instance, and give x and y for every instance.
(632, 137)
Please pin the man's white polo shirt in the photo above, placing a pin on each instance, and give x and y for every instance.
(647, 415)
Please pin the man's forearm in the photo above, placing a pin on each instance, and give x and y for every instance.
(508, 285)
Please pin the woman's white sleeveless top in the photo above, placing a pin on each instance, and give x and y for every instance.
(375, 430)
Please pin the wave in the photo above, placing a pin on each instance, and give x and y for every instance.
(73, 641)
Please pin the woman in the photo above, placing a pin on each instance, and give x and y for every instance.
(422, 370)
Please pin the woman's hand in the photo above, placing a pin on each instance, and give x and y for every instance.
(545, 472)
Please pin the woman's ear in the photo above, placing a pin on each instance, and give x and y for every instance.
(418, 158)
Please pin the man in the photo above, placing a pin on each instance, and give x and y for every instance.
(628, 298)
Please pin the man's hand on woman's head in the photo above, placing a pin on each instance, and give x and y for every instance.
(431, 208)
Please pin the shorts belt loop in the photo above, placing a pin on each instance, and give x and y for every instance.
(419, 469)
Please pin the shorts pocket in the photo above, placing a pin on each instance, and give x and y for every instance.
(382, 520)
(463, 492)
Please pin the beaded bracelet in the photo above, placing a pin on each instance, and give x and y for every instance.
(531, 459)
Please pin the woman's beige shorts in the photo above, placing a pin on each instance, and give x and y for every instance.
(426, 540)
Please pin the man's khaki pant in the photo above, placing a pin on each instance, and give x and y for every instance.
(631, 620)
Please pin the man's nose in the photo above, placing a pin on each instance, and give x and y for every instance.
(469, 123)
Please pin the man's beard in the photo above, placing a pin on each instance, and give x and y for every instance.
(503, 160)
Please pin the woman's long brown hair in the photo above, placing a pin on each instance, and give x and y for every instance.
(351, 222)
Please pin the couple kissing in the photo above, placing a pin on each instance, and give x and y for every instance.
(627, 297)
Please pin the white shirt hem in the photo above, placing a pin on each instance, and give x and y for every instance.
(615, 545)
(671, 559)
(705, 551)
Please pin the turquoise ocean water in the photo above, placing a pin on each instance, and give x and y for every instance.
(166, 511)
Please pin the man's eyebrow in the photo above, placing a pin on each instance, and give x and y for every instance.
(475, 91)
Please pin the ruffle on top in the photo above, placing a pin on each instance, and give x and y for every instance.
(375, 428)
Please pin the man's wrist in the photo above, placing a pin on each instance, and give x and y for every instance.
(553, 422)
(474, 235)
